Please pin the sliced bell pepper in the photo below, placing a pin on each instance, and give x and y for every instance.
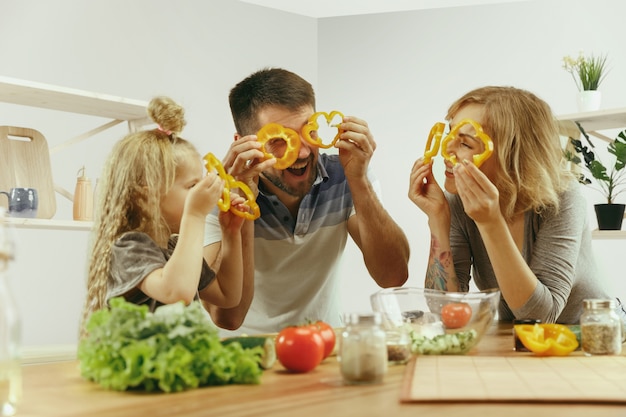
(254, 212)
(272, 132)
(432, 148)
(480, 134)
(212, 164)
(313, 126)
(547, 339)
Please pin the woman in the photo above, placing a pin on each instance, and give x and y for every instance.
(519, 221)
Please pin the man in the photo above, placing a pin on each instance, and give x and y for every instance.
(292, 252)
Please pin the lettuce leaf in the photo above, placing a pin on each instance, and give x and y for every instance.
(173, 349)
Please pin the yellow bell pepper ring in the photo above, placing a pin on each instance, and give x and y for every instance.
(254, 211)
(480, 134)
(547, 339)
(311, 128)
(433, 148)
(212, 164)
(274, 135)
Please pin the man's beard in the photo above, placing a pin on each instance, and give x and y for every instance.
(302, 189)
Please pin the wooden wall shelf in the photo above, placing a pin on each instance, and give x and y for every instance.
(33, 94)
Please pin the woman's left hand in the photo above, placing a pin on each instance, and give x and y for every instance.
(480, 197)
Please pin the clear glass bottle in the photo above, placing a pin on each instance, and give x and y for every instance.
(10, 371)
(363, 351)
(600, 328)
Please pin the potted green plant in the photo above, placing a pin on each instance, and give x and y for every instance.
(588, 73)
(609, 181)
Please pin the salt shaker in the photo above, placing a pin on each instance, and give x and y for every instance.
(600, 328)
(363, 352)
(83, 198)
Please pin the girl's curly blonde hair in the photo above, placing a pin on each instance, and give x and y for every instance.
(139, 171)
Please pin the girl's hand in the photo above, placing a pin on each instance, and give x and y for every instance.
(203, 196)
(229, 221)
(481, 199)
(424, 190)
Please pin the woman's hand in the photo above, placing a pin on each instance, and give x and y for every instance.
(424, 190)
(480, 197)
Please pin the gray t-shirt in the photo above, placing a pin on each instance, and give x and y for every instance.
(558, 249)
(134, 256)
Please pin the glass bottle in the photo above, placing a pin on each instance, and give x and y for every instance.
(10, 371)
(363, 352)
(600, 328)
(83, 198)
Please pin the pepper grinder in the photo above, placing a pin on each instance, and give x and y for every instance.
(83, 197)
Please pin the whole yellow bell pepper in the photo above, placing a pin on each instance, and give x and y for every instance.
(547, 339)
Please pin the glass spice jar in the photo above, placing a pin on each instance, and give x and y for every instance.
(600, 328)
(363, 352)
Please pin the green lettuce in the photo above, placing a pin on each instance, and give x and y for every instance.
(173, 349)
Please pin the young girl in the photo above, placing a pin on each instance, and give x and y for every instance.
(518, 222)
(149, 225)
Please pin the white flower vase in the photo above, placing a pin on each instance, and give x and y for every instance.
(589, 100)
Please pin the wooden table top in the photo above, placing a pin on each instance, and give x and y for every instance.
(57, 389)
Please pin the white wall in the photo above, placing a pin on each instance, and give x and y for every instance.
(399, 71)
(191, 50)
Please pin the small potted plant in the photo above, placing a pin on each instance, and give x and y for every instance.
(610, 181)
(588, 73)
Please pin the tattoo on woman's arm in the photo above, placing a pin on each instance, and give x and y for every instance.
(436, 277)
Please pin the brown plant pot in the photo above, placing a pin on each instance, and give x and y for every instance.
(610, 216)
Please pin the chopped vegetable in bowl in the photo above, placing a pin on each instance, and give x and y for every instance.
(438, 322)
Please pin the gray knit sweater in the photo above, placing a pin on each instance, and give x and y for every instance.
(557, 247)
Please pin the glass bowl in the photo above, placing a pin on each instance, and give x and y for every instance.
(437, 322)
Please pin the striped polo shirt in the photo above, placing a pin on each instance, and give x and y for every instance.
(297, 259)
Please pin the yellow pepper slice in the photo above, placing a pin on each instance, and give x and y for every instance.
(480, 134)
(433, 148)
(311, 128)
(254, 211)
(547, 339)
(212, 164)
(279, 142)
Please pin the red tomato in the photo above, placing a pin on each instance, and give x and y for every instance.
(299, 348)
(328, 334)
(456, 315)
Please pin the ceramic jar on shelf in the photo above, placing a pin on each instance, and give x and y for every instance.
(589, 100)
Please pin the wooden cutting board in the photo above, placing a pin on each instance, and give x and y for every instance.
(575, 379)
(25, 162)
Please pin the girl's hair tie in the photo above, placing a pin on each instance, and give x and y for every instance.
(167, 132)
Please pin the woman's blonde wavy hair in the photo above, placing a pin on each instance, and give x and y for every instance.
(531, 171)
(139, 171)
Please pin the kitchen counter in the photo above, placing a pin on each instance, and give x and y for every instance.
(57, 389)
